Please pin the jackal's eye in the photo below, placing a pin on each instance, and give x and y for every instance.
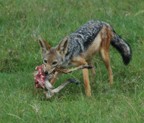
(45, 61)
(54, 63)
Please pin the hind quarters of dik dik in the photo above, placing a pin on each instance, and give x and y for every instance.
(79, 48)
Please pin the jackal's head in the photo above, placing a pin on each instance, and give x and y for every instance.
(53, 56)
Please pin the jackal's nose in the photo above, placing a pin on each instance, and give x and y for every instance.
(46, 72)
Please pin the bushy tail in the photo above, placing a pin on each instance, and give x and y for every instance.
(123, 47)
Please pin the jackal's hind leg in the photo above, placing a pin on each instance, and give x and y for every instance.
(106, 59)
(106, 36)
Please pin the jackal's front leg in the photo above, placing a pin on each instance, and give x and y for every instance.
(86, 82)
(52, 81)
(79, 61)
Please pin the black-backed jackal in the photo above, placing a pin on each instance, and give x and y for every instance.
(79, 48)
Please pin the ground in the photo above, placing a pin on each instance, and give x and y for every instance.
(21, 22)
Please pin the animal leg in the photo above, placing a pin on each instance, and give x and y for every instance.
(82, 61)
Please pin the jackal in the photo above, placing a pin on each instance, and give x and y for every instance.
(79, 47)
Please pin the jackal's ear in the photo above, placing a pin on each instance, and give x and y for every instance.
(44, 45)
(63, 46)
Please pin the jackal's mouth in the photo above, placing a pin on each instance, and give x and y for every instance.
(49, 72)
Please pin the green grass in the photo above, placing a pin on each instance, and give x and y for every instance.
(20, 102)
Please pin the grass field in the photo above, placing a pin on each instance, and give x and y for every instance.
(20, 102)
